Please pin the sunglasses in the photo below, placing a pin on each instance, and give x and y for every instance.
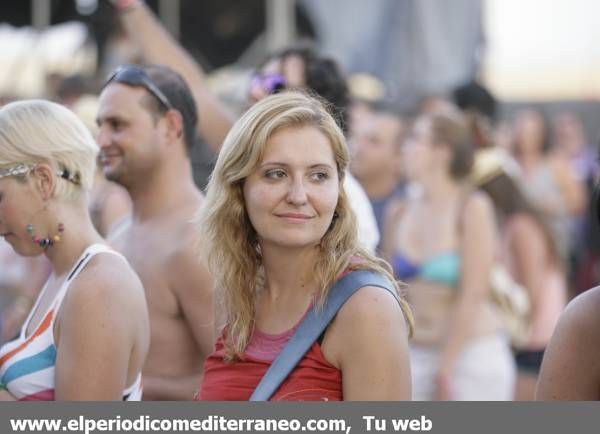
(136, 76)
(270, 83)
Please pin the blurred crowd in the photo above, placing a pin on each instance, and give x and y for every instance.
(449, 192)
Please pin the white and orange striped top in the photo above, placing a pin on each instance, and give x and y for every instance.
(27, 362)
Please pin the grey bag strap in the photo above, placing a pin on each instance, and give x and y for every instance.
(315, 322)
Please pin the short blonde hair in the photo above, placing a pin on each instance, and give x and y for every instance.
(38, 131)
(227, 235)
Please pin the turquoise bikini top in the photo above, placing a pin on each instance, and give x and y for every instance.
(443, 268)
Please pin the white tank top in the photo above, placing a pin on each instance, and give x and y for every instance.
(27, 362)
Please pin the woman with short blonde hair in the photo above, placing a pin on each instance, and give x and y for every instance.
(87, 334)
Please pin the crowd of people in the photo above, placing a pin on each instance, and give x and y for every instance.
(126, 274)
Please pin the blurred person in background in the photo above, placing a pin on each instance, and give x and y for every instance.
(93, 300)
(366, 93)
(147, 121)
(571, 144)
(441, 241)
(479, 107)
(546, 179)
(529, 252)
(279, 231)
(293, 68)
(376, 148)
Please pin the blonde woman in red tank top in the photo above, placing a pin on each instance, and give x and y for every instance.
(279, 231)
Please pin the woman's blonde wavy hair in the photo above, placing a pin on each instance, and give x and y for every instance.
(227, 236)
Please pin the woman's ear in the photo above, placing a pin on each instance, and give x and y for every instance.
(44, 180)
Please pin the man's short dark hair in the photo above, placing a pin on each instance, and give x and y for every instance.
(179, 95)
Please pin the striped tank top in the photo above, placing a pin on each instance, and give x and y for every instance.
(27, 362)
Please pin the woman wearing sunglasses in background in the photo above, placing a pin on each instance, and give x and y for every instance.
(87, 335)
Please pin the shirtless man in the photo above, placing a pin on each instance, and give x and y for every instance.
(147, 118)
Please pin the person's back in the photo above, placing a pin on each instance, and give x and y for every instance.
(146, 118)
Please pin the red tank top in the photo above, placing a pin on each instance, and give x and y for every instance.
(313, 379)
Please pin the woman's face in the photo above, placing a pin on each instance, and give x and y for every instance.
(419, 155)
(18, 208)
(529, 132)
(292, 195)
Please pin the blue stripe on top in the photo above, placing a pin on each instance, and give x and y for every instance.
(42, 360)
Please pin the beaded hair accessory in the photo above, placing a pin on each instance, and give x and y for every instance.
(21, 169)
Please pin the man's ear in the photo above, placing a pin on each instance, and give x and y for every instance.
(44, 180)
(174, 124)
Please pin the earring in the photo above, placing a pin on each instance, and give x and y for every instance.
(45, 242)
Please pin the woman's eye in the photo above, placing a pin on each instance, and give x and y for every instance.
(319, 176)
(275, 174)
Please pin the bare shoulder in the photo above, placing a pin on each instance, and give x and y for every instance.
(478, 202)
(370, 307)
(105, 299)
(478, 207)
(581, 317)
(106, 279)
(570, 369)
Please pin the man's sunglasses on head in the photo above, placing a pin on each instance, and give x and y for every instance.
(136, 76)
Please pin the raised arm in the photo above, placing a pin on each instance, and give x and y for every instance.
(159, 47)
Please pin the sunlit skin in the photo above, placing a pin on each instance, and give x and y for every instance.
(12, 217)
(145, 152)
(428, 225)
(291, 200)
(292, 195)
(128, 135)
(97, 304)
